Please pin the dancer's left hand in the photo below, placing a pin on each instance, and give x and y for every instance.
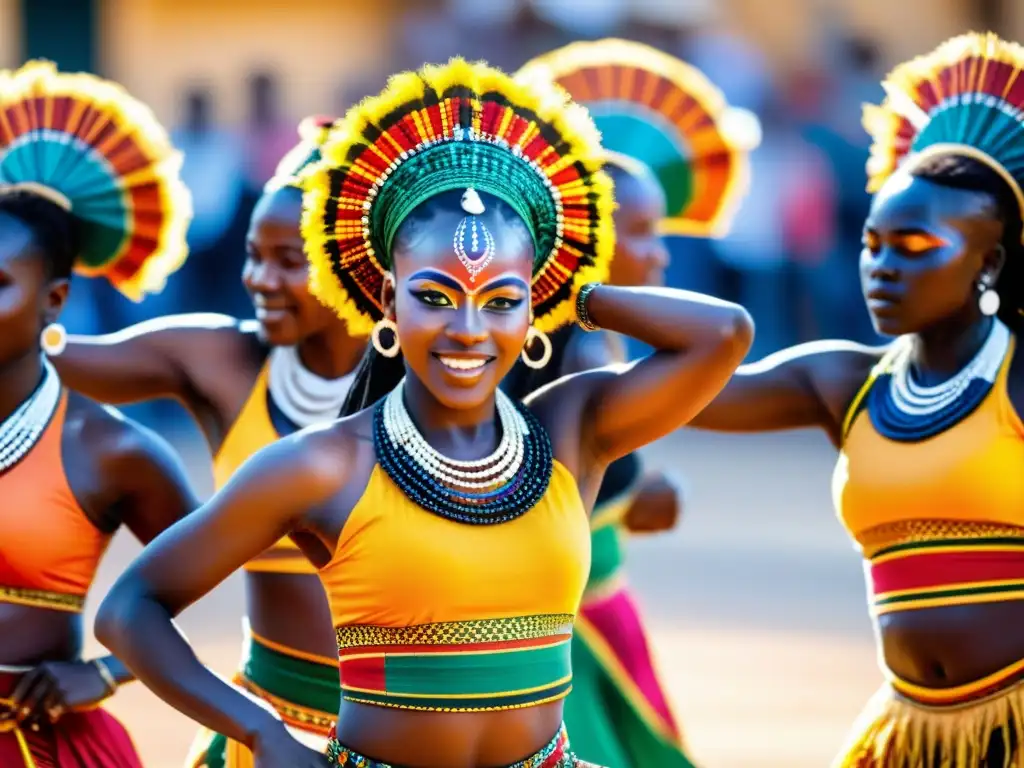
(53, 688)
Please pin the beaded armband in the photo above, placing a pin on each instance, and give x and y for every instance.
(582, 316)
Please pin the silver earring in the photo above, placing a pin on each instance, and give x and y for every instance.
(383, 323)
(53, 339)
(988, 302)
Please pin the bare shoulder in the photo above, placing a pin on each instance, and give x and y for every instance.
(835, 369)
(318, 462)
(107, 435)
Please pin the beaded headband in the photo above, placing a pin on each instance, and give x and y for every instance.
(88, 146)
(666, 114)
(313, 132)
(965, 98)
(457, 127)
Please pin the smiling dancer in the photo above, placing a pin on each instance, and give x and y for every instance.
(88, 183)
(456, 216)
(676, 168)
(247, 384)
(929, 480)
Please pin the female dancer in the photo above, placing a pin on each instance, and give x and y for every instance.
(248, 384)
(73, 151)
(931, 442)
(670, 126)
(447, 213)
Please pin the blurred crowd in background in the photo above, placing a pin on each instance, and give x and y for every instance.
(791, 256)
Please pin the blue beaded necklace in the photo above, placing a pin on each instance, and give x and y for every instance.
(904, 411)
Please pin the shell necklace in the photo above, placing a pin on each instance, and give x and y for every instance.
(303, 397)
(22, 429)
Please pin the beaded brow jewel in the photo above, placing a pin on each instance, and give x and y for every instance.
(468, 236)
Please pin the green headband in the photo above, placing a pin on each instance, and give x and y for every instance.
(458, 165)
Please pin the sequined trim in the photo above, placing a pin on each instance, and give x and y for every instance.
(38, 598)
(457, 632)
(293, 714)
(880, 537)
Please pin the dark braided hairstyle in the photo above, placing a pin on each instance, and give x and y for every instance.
(54, 229)
(958, 172)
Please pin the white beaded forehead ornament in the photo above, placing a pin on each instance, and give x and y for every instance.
(469, 234)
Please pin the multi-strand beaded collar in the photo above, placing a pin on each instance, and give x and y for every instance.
(22, 429)
(905, 411)
(494, 489)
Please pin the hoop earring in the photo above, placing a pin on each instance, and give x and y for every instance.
(383, 323)
(988, 302)
(53, 339)
(532, 335)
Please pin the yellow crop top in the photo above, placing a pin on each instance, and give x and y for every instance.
(940, 521)
(252, 431)
(438, 615)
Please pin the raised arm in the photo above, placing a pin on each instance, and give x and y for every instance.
(274, 493)
(808, 385)
(149, 360)
(698, 340)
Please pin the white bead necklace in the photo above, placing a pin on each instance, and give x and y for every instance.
(914, 399)
(22, 429)
(303, 397)
(487, 473)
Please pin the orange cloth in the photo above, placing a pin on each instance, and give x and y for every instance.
(49, 549)
(252, 431)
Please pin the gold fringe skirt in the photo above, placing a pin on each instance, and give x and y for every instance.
(978, 725)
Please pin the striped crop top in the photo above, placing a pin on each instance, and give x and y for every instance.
(252, 431)
(940, 521)
(49, 549)
(432, 614)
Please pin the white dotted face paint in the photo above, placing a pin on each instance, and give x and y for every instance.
(473, 242)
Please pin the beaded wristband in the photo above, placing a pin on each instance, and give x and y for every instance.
(108, 678)
(582, 316)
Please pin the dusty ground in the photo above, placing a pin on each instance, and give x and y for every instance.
(756, 608)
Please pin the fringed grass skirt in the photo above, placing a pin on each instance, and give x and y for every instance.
(978, 725)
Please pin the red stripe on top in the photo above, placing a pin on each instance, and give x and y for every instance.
(503, 645)
(368, 674)
(937, 569)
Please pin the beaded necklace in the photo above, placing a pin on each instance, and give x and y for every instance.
(22, 429)
(303, 397)
(901, 409)
(495, 489)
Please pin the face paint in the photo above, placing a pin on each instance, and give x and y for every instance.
(473, 242)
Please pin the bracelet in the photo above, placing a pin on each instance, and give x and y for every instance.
(108, 679)
(582, 316)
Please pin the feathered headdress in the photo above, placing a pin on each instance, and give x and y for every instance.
(87, 145)
(313, 132)
(965, 98)
(451, 127)
(665, 113)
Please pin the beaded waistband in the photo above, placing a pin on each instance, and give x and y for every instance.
(463, 666)
(940, 572)
(555, 754)
(39, 598)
